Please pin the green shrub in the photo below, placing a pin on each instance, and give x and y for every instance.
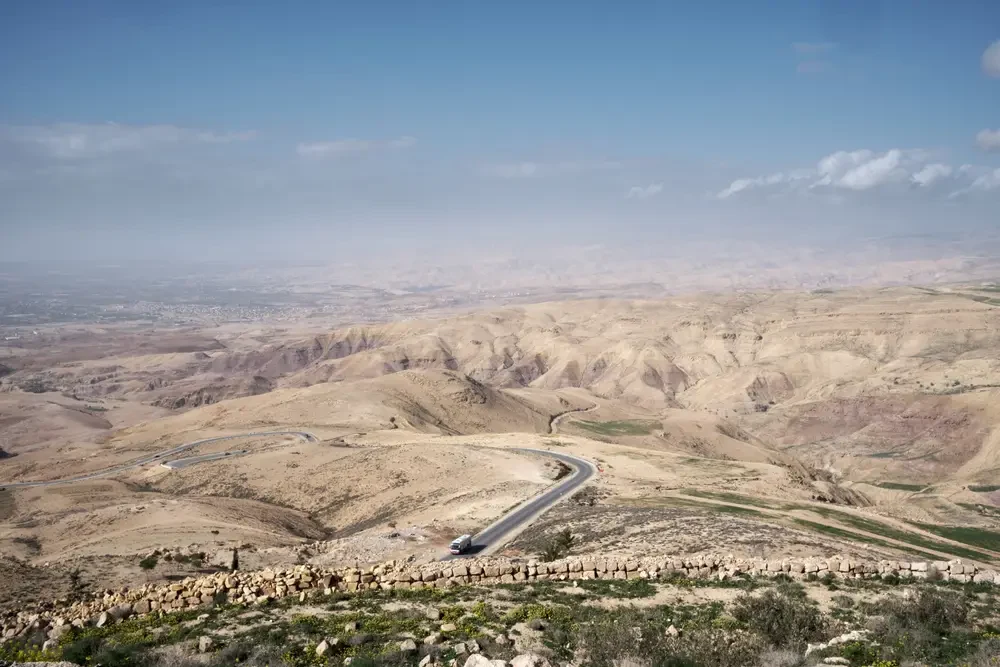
(640, 637)
(928, 627)
(784, 621)
(559, 546)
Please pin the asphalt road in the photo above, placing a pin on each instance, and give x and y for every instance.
(161, 457)
(500, 531)
(490, 538)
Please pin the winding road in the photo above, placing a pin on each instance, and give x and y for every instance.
(161, 457)
(510, 524)
(490, 539)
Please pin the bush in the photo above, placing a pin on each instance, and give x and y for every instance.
(148, 563)
(35, 385)
(936, 611)
(559, 546)
(639, 638)
(928, 627)
(784, 621)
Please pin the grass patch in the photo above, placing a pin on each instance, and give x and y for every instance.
(739, 499)
(906, 537)
(622, 427)
(899, 486)
(691, 503)
(937, 624)
(858, 537)
(981, 298)
(976, 537)
(984, 488)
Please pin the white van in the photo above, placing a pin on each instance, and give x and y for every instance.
(461, 544)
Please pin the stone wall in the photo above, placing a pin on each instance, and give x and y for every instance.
(260, 587)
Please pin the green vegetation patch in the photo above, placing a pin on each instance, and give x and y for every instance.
(981, 298)
(691, 503)
(971, 535)
(936, 624)
(899, 486)
(904, 536)
(984, 488)
(740, 499)
(858, 537)
(623, 427)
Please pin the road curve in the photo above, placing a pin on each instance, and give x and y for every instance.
(160, 457)
(495, 535)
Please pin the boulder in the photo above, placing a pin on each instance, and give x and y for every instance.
(205, 644)
(529, 660)
(358, 639)
(449, 627)
(480, 660)
(425, 661)
(120, 612)
(408, 646)
(432, 639)
(434, 614)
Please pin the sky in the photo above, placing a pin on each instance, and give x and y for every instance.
(332, 129)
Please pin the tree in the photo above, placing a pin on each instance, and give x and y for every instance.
(559, 546)
(236, 560)
(148, 563)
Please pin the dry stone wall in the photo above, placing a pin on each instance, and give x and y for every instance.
(262, 586)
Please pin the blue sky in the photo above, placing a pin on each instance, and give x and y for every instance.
(120, 121)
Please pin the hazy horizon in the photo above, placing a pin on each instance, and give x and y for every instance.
(349, 133)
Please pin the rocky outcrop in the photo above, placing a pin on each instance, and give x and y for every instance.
(263, 586)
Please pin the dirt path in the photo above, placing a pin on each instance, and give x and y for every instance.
(555, 419)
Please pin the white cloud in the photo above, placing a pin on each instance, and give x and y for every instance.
(985, 179)
(812, 48)
(342, 147)
(863, 170)
(991, 60)
(778, 178)
(989, 140)
(874, 172)
(542, 169)
(69, 141)
(638, 192)
(931, 174)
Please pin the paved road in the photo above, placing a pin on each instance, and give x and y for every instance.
(161, 457)
(498, 533)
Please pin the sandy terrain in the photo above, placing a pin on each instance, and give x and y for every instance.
(884, 402)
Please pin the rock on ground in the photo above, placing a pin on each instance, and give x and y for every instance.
(529, 660)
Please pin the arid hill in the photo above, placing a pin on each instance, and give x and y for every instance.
(774, 407)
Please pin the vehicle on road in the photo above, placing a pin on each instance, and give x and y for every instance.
(460, 544)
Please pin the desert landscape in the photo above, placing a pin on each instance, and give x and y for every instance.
(860, 420)
(857, 424)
